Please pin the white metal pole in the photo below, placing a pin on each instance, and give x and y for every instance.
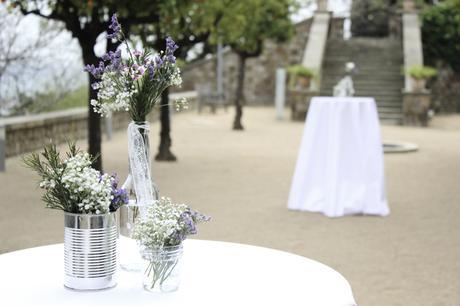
(2, 148)
(280, 92)
(220, 71)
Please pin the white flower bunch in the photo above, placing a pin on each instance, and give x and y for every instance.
(161, 223)
(181, 104)
(166, 224)
(111, 97)
(176, 78)
(72, 185)
(87, 187)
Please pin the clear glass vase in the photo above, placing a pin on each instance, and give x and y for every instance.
(130, 257)
(162, 272)
(140, 184)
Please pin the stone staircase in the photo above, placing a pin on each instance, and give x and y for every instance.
(378, 61)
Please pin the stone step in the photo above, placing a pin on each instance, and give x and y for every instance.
(391, 116)
(388, 110)
(391, 121)
(379, 63)
(377, 91)
(377, 58)
(372, 84)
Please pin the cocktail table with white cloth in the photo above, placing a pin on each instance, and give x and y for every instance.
(339, 168)
(214, 273)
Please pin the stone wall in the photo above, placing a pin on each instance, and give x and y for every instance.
(259, 85)
(446, 91)
(28, 133)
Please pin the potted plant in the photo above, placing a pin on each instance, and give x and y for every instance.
(134, 83)
(89, 200)
(300, 76)
(160, 235)
(419, 75)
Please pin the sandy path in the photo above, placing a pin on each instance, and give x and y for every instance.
(242, 180)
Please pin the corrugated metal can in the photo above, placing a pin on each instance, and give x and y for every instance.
(90, 251)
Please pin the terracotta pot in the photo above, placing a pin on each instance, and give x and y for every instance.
(418, 85)
(303, 82)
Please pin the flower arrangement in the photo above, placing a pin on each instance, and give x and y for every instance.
(134, 85)
(72, 185)
(160, 235)
(166, 224)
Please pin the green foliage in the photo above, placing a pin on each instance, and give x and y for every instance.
(441, 33)
(296, 71)
(51, 100)
(246, 24)
(370, 17)
(300, 70)
(421, 72)
(76, 98)
(51, 168)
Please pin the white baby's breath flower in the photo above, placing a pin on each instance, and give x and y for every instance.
(92, 190)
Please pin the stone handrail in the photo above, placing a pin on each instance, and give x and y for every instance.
(416, 103)
(316, 45)
(412, 44)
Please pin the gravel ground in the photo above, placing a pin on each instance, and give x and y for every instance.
(242, 180)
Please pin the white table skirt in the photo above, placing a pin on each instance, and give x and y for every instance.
(339, 168)
(214, 273)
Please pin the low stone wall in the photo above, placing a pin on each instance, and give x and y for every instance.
(28, 133)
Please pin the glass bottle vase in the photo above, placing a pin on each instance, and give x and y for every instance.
(140, 184)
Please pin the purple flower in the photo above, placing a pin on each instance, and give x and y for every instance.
(95, 71)
(151, 69)
(120, 195)
(158, 62)
(186, 217)
(115, 27)
(114, 59)
(198, 217)
(171, 46)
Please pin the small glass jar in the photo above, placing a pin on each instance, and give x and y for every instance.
(162, 273)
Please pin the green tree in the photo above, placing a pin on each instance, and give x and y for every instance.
(370, 17)
(441, 33)
(244, 26)
(188, 22)
(86, 20)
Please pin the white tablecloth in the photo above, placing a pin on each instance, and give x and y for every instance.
(214, 273)
(339, 168)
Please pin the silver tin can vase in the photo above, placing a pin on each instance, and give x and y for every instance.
(90, 251)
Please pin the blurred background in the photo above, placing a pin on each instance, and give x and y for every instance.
(250, 68)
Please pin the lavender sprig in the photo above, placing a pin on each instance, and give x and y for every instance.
(115, 27)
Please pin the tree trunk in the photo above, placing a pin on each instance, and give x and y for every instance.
(94, 119)
(164, 149)
(239, 97)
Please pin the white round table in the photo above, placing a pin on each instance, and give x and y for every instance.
(214, 273)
